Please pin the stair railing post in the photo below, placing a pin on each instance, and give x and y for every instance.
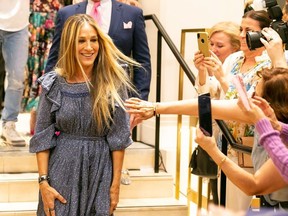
(158, 99)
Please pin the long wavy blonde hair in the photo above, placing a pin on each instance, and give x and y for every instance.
(109, 80)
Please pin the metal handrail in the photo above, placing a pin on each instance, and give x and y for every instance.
(222, 125)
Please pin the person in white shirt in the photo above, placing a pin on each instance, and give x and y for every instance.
(14, 20)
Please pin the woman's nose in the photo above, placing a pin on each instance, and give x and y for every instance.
(88, 46)
(243, 34)
(213, 48)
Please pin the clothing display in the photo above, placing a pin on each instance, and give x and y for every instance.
(41, 29)
(65, 127)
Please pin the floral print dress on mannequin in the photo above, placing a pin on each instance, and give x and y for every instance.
(41, 29)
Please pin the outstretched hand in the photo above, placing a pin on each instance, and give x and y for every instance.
(260, 109)
(139, 110)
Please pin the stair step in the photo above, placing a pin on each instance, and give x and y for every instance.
(19, 160)
(126, 207)
(18, 208)
(24, 187)
(152, 207)
(19, 187)
(139, 155)
(148, 185)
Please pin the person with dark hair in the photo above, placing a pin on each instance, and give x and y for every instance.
(82, 128)
(274, 47)
(267, 178)
(245, 63)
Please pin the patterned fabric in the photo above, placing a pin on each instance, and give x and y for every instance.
(250, 78)
(41, 28)
(80, 164)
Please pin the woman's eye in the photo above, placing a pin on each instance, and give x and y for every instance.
(81, 41)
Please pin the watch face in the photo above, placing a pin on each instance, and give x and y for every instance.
(43, 178)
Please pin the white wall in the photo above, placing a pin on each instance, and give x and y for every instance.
(175, 16)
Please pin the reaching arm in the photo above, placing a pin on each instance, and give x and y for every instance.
(221, 109)
(266, 180)
(272, 143)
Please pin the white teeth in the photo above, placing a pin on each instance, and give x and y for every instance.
(87, 54)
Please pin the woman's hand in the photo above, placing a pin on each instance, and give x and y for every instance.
(207, 143)
(260, 109)
(49, 195)
(140, 109)
(268, 111)
(214, 66)
(198, 61)
(114, 197)
(274, 47)
(255, 113)
(134, 121)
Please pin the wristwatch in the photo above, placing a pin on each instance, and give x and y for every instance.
(43, 178)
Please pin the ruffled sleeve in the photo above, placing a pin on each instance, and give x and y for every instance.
(119, 136)
(50, 102)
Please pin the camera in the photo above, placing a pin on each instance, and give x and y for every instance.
(275, 13)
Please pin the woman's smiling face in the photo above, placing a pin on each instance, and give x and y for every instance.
(88, 47)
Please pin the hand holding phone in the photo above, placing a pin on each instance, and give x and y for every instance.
(242, 93)
(205, 115)
(203, 43)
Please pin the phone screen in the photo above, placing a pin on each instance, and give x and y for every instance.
(203, 43)
(205, 116)
(242, 93)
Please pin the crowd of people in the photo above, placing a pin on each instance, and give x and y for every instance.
(216, 78)
(89, 57)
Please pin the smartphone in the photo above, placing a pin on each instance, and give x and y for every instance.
(203, 43)
(205, 115)
(242, 93)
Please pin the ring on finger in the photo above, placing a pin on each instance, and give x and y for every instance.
(51, 209)
(270, 39)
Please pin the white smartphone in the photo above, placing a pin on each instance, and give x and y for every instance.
(203, 43)
(242, 93)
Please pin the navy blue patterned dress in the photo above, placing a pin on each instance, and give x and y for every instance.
(80, 165)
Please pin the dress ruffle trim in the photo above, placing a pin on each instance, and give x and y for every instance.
(53, 94)
(46, 139)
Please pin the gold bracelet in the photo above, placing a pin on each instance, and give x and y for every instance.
(220, 165)
(155, 110)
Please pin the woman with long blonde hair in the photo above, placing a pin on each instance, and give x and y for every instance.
(82, 128)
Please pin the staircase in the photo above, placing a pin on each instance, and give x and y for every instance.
(148, 194)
